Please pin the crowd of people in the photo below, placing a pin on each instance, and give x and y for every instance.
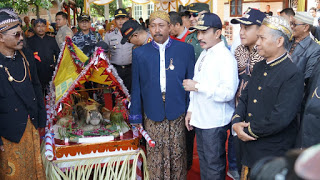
(184, 82)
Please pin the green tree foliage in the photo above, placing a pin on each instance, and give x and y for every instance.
(22, 6)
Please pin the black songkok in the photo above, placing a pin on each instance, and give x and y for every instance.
(8, 19)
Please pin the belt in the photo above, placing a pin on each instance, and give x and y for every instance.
(122, 66)
(164, 97)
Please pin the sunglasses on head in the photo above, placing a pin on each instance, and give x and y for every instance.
(195, 14)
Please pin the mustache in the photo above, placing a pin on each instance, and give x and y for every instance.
(200, 41)
(21, 41)
(158, 34)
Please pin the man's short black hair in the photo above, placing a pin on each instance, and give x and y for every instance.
(140, 19)
(288, 12)
(175, 18)
(63, 14)
(186, 14)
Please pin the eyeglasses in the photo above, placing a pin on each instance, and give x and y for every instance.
(17, 34)
(294, 24)
(195, 14)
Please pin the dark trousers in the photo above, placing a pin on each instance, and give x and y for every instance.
(232, 153)
(212, 153)
(125, 74)
(189, 143)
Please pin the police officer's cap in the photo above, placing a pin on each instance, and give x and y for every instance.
(120, 13)
(128, 28)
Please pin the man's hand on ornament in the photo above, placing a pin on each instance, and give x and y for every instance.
(238, 128)
(189, 85)
(187, 121)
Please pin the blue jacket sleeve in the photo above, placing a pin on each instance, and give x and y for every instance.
(190, 72)
(135, 116)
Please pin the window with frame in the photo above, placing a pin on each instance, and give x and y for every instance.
(137, 11)
(236, 8)
(150, 8)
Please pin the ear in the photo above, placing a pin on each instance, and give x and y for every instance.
(280, 42)
(218, 33)
(1, 37)
(306, 28)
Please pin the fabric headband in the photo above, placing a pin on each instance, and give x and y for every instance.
(9, 24)
(279, 24)
(8, 19)
(160, 14)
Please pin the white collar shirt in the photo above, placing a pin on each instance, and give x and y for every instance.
(162, 52)
(217, 74)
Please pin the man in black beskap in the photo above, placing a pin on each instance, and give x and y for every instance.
(45, 50)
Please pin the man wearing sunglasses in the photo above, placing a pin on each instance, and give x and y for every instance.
(303, 50)
(45, 55)
(134, 33)
(22, 109)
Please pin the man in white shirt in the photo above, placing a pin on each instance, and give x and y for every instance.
(212, 92)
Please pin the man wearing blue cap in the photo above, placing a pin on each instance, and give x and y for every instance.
(212, 91)
(247, 56)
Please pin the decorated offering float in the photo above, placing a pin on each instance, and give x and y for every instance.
(86, 137)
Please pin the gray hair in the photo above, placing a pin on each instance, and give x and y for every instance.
(277, 34)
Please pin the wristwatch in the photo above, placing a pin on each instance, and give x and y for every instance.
(196, 86)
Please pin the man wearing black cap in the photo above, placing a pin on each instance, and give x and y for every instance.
(212, 91)
(134, 33)
(45, 55)
(85, 39)
(121, 54)
(22, 109)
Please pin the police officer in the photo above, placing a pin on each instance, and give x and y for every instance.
(134, 33)
(85, 39)
(121, 54)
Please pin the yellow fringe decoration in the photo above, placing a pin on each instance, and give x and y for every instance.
(97, 167)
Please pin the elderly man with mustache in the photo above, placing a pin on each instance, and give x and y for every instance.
(22, 108)
(158, 70)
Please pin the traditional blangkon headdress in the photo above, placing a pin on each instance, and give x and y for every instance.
(8, 19)
(278, 23)
(160, 14)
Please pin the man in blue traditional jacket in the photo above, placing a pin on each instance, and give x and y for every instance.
(158, 70)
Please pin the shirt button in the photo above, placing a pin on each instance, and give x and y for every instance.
(16, 109)
(259, 88)
(255, 101)
(34, 99)
(32, 119)
(265, 74)
(249, 114)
